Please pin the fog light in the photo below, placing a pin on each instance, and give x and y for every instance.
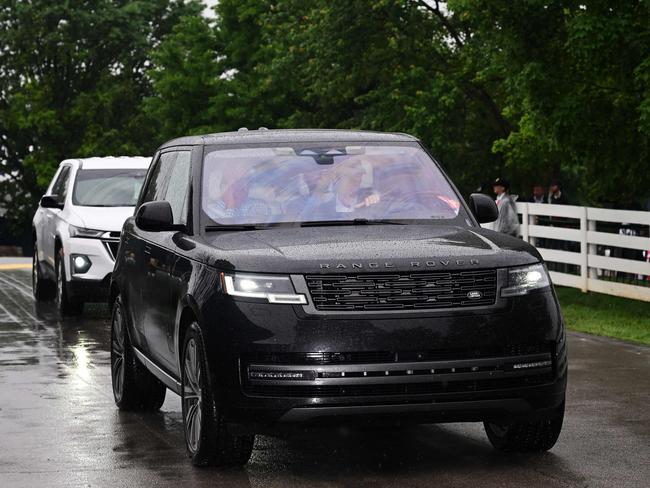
(80, 263)
(281, 375)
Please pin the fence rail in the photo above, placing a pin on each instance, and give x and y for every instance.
(575, 243)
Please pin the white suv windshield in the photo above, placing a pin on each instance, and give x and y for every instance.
(324, 183)
(108, 187)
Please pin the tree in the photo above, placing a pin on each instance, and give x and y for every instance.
(576, 91)
(72, 77)
(185, 76)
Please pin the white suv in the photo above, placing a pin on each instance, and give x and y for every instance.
(76, 229)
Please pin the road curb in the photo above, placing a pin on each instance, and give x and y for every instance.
(9, 267)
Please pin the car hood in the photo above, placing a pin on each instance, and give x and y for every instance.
(100, 218)
(376, 248)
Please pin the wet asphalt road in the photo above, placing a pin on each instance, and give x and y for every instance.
(59, 426)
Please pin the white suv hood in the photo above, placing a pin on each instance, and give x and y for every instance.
(101, 218)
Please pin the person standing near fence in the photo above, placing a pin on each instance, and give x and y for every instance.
(556, 195)
(508, 220)
(538, 195)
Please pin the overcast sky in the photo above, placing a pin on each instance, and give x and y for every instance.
(210, 4)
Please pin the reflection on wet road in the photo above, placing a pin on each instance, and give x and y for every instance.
(59, 426)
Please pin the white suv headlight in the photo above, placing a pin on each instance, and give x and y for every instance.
(82, 232)
(273, 288)
(525, 279)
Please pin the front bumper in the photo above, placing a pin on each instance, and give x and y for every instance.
(273, 364)
(93, 285)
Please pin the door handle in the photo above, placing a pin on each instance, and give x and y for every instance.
(147, 249)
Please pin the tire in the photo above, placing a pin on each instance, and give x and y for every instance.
(207, 439)
(134, 387)
(527, 436)
(42, 288)
(65, 305)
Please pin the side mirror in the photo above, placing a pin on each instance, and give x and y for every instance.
(155, 217)
(51, 201)
(483, 207)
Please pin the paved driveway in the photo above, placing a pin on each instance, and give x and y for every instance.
(59, 426)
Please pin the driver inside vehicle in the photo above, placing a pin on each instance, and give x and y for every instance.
(351, 192)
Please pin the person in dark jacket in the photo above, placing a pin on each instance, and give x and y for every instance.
(556, 195)
(538, 195)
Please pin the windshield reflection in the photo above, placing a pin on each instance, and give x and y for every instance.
(324, 183)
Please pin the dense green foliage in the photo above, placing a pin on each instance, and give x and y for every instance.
(526, 89)
(73, 77)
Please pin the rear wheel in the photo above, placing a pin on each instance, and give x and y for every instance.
(42, 288)
(207, 439)
(134, 387)
(65, 305)
(527, 436)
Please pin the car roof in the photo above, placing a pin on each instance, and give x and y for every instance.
(110, 162)
(262, 136)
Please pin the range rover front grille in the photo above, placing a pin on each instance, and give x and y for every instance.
(403, 291)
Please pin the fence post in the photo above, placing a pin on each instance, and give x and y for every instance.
(584, 253)
(591, 225)
(524, 222)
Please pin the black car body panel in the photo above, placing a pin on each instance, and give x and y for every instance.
(481, 362)
(399, 248)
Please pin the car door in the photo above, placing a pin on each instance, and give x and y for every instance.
(169, 182)
(178, 195)
(51, 217)
(41, 227)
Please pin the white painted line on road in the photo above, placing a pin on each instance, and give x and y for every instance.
(6, 316)
(19, 289)
(18, 305)
(21, 284)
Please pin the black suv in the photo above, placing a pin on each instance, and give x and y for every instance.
(278, 277)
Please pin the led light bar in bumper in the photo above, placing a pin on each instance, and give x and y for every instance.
(257, 374)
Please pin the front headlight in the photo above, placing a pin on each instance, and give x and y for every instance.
(525, 279)
(274, 289)
(82, 232)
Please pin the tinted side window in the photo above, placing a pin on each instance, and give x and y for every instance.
(178, 187)
(60, 187)
(170, 181)
(157, 184)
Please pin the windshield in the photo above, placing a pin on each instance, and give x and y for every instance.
(108, 187)
(324, 183)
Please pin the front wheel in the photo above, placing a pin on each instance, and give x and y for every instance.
(537, 435)
(41, 287)
(207, 439)
(65, 305)
(134, 387)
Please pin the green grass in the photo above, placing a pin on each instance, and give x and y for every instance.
(606, 315)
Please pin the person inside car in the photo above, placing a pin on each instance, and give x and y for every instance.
(349, 195)
(231, 195)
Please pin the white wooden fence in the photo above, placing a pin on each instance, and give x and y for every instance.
(594, 268)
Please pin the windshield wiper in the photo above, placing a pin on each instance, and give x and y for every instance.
(216, 228)
(319, 223)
